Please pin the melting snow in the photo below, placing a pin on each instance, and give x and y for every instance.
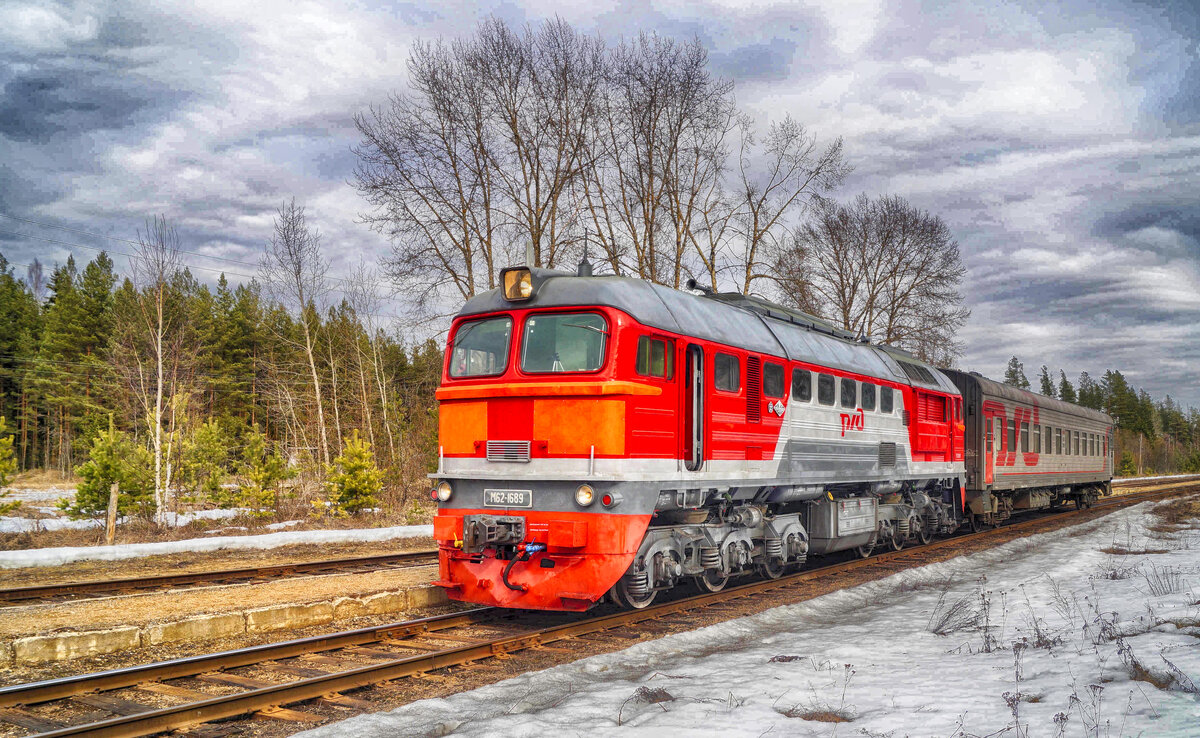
(64, 555)
(1043, 633)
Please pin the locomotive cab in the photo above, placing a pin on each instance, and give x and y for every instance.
(538, 408)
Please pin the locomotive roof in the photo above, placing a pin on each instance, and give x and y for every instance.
(993, 388)
(733, 319)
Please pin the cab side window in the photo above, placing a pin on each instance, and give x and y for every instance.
(654, 358)
(727, 373)
(885, 400)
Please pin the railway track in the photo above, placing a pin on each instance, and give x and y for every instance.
(74, 591)
(70, 591)
(262, 681)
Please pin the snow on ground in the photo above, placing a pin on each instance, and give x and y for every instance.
(67, 554)
(1149, 479)
(27, 494)
(1045, 633)
(20, 525)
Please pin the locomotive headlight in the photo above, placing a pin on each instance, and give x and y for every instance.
(444, 491)
(518, 284)
(585, 495)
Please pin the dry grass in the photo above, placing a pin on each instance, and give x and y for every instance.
(42, 479)
(1175, 515)
(820, 716)
(1122, 551)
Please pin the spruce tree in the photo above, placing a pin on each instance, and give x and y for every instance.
(263, 469)
(205, 458)
(1047, 382)
(1066, 392)
(113, 457)
(1090, 394)
(353, 480)
(8, 467)
(1014, 374)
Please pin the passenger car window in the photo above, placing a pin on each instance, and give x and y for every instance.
(825, 389)
(868, 396)
(654, 358)
(849, 393)
(1025, 438)
(885, 400)
(801, 385)
(1012, 436)
(727, 373)
(1036, 442)
(481, 348)
(563, 342)
(773, 380)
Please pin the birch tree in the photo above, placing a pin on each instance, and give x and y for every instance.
(294, 271)
(152, 347)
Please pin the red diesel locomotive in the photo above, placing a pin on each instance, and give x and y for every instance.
(605, 435)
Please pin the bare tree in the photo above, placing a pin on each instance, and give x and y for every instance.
(35, 277)
(882, 268)
(540, 89)
(294, 271)
(425, 169)
(658, 149)
(790, 174)
(154, 347)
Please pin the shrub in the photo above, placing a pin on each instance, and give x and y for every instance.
(354, 481)
(114, 457)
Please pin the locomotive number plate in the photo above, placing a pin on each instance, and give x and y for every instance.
(508, 498)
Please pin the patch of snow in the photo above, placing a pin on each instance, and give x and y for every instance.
(25, 494)
(1050, 631)
(21, 525)
(284, 524)
(67, 554)
(1150, 479)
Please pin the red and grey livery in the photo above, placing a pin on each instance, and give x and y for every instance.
(606, 435)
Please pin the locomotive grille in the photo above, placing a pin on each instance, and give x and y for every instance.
(508, 451)
(753, 389)
(887, 454)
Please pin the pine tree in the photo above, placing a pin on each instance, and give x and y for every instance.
(8, 467)
(1014, 374)
(1128, 466)
(205, 458)
(1090, 394)
(263, 469)
(1047, 382)
(353, 480)
(1066, 392)
(114, 458)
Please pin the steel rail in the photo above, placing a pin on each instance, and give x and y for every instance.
(265, 698)
(58, 592)
(136, 584)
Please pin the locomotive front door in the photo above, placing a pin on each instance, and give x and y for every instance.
(693, 404)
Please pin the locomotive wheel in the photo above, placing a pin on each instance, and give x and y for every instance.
(711, 581)
(623, 597)
(897, 541)
(864, 551)
(921, 531)
(771, 568)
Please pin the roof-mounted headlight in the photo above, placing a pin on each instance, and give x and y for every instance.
(518, 284)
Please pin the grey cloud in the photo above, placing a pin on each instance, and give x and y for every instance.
(767, 61)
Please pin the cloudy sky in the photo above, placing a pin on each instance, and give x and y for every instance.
(1060, 140)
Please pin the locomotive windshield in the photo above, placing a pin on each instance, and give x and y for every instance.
(481, 348)
(563, 342)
